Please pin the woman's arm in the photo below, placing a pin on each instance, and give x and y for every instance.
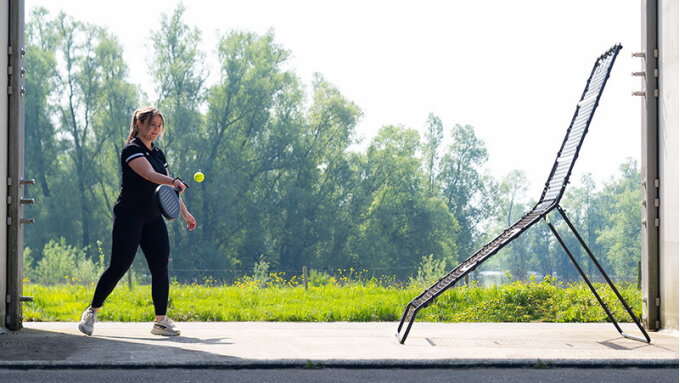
(191, 221)
(142, 167)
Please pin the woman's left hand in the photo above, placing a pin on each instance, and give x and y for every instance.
(191, 221)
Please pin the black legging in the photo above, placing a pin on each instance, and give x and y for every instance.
(129, 232)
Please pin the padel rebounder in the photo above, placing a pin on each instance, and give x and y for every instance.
(549, 201)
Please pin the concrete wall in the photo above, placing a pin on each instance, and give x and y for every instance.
(4, 41)
(669, 163)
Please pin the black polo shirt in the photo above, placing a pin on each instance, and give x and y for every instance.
(136, 193)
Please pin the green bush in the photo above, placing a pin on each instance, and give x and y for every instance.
(320, 278)
(62, 263)
(429, 271)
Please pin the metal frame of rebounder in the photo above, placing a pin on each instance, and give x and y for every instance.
(468, 266)
(552, 193)
(604, 274)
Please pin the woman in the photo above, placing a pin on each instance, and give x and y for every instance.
(138, 222)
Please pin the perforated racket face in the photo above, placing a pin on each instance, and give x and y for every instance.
(168, 201)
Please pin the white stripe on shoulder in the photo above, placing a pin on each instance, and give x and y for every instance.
(134, 156)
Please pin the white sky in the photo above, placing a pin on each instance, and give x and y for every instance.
(512, 69)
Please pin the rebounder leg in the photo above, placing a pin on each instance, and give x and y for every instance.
(606, 277)
(408, 318)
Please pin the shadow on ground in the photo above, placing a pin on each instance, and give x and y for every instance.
(37, 346)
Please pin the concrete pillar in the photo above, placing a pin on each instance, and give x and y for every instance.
(669, 162)
(649, 168)
(4, 42)
(15, 166)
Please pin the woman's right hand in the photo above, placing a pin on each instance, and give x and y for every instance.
(178, 184)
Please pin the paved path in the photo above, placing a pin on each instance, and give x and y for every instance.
(338, 344)
(334, 375)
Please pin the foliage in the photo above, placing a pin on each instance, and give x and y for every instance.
(621, 236)
(285, 180)
(607, 220)
(468, 191)
(358, 300)
(61, 263)
(260, 278)
(320, 278)
(429, 271)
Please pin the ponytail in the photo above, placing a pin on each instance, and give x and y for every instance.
(134, 129)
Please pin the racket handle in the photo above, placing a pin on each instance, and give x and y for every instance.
(180, 180)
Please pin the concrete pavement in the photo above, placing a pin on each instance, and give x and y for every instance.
(338, 344)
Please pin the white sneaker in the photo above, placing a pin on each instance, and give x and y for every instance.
(86, 325)
(165, 327)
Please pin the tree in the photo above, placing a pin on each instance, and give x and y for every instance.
(238, 148)
(468, 192)
(401, 223)
(311, 190)
(111, 124)
(620, 237)
(178, 70)
(512, 188)
(40, 83)
(81, 85)
(583, 204)
(41, 133)
(542, 249)
(94, 97)
(434, 134)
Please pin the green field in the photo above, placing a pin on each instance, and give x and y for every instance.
(545, 301)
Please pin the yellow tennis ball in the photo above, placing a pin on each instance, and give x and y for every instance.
(199, 177)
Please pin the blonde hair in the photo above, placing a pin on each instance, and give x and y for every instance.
(144, 115)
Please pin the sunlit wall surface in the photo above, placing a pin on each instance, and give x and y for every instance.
(668, 162)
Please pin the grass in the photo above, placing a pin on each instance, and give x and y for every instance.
(545, 301)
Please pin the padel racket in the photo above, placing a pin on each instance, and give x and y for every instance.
(168, 201)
